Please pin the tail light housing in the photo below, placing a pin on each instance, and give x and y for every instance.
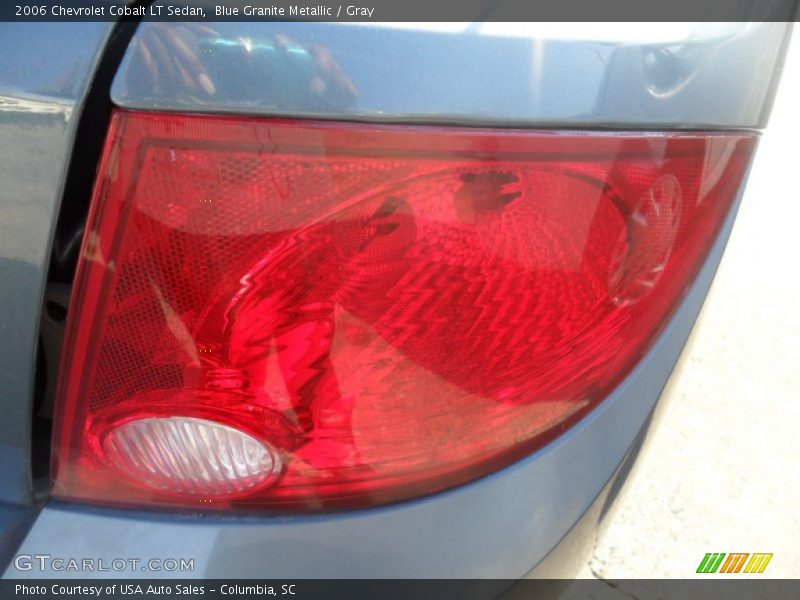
(276, 314)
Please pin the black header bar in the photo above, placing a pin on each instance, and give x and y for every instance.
(400, 10)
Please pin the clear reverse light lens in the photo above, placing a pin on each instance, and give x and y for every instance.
(191, 456)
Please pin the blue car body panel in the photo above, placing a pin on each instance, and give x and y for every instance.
(45, 72)
(630, 76)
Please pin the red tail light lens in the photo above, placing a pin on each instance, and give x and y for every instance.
(294, 314)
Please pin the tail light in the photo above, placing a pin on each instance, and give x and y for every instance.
(286, 314)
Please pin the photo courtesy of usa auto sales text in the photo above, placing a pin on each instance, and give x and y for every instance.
(125, 589)
(158, 591)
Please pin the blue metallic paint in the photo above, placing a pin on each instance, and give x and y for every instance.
(44, 74)
(705, 79)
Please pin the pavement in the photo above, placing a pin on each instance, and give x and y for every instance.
(721, 472)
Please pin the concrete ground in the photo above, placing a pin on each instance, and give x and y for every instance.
(721, 472)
